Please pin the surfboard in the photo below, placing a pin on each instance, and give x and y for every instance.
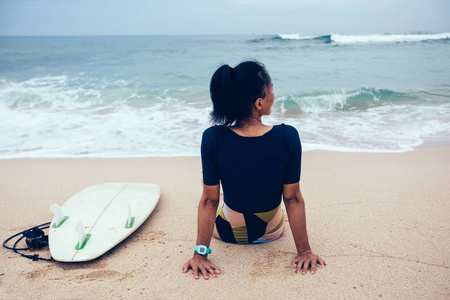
(99, 217)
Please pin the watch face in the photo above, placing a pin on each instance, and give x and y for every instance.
(201, 250)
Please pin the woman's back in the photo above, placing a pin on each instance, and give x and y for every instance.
(252, 170)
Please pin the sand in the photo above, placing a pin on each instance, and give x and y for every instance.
(381, 222)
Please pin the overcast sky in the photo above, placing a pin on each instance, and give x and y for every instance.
(144, 17)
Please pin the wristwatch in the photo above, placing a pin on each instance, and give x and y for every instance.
(202, 250)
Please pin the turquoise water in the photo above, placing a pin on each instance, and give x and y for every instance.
(148, 95)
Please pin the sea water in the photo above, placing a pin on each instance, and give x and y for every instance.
(149, 95)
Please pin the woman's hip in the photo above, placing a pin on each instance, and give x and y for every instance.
(249, 228)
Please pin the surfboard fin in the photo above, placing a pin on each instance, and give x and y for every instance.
(130, 220)
(82, 236)
(59, 215)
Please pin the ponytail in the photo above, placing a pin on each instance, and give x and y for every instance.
(233, 91)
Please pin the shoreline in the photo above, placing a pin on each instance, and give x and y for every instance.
(433, 142)
(436, 141)
(380, 220)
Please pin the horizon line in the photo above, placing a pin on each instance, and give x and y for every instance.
(211, 34)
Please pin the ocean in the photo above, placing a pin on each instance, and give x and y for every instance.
(138, 96)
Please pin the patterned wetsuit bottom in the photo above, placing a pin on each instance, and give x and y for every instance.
(248, 228)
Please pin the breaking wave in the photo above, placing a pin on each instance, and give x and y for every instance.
(343, 100)
(359, 39)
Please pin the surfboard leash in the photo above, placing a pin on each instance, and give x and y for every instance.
(35, 239)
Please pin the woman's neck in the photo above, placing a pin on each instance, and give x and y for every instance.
(251, 121)
(251, 126)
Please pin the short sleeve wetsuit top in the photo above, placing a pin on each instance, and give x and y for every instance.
(252, 171)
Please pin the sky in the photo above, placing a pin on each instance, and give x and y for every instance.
(149, 17)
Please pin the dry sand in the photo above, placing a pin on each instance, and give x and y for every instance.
(381, 222)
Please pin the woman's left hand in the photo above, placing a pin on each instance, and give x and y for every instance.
(305, 259)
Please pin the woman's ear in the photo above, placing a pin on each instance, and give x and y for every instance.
(258, 103)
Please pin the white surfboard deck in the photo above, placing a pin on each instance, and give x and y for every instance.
(104, 212)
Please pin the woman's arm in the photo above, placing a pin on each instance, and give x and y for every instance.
(295, 208)
(207, 208)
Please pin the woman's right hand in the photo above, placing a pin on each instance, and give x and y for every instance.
(202, 264)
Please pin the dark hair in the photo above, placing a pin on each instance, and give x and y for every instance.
(234, 90)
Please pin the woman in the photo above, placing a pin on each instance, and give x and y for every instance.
(256, 165)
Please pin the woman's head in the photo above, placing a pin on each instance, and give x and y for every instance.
(235, 90)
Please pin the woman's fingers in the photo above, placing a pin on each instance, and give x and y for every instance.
(204, 272)
(186, 267)
(212, 271)
(305, 266)
(299, 265)
(195, 270)
(216, 269)
(304, 262)
(321, 261)
(201, 267)
(313, 266)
